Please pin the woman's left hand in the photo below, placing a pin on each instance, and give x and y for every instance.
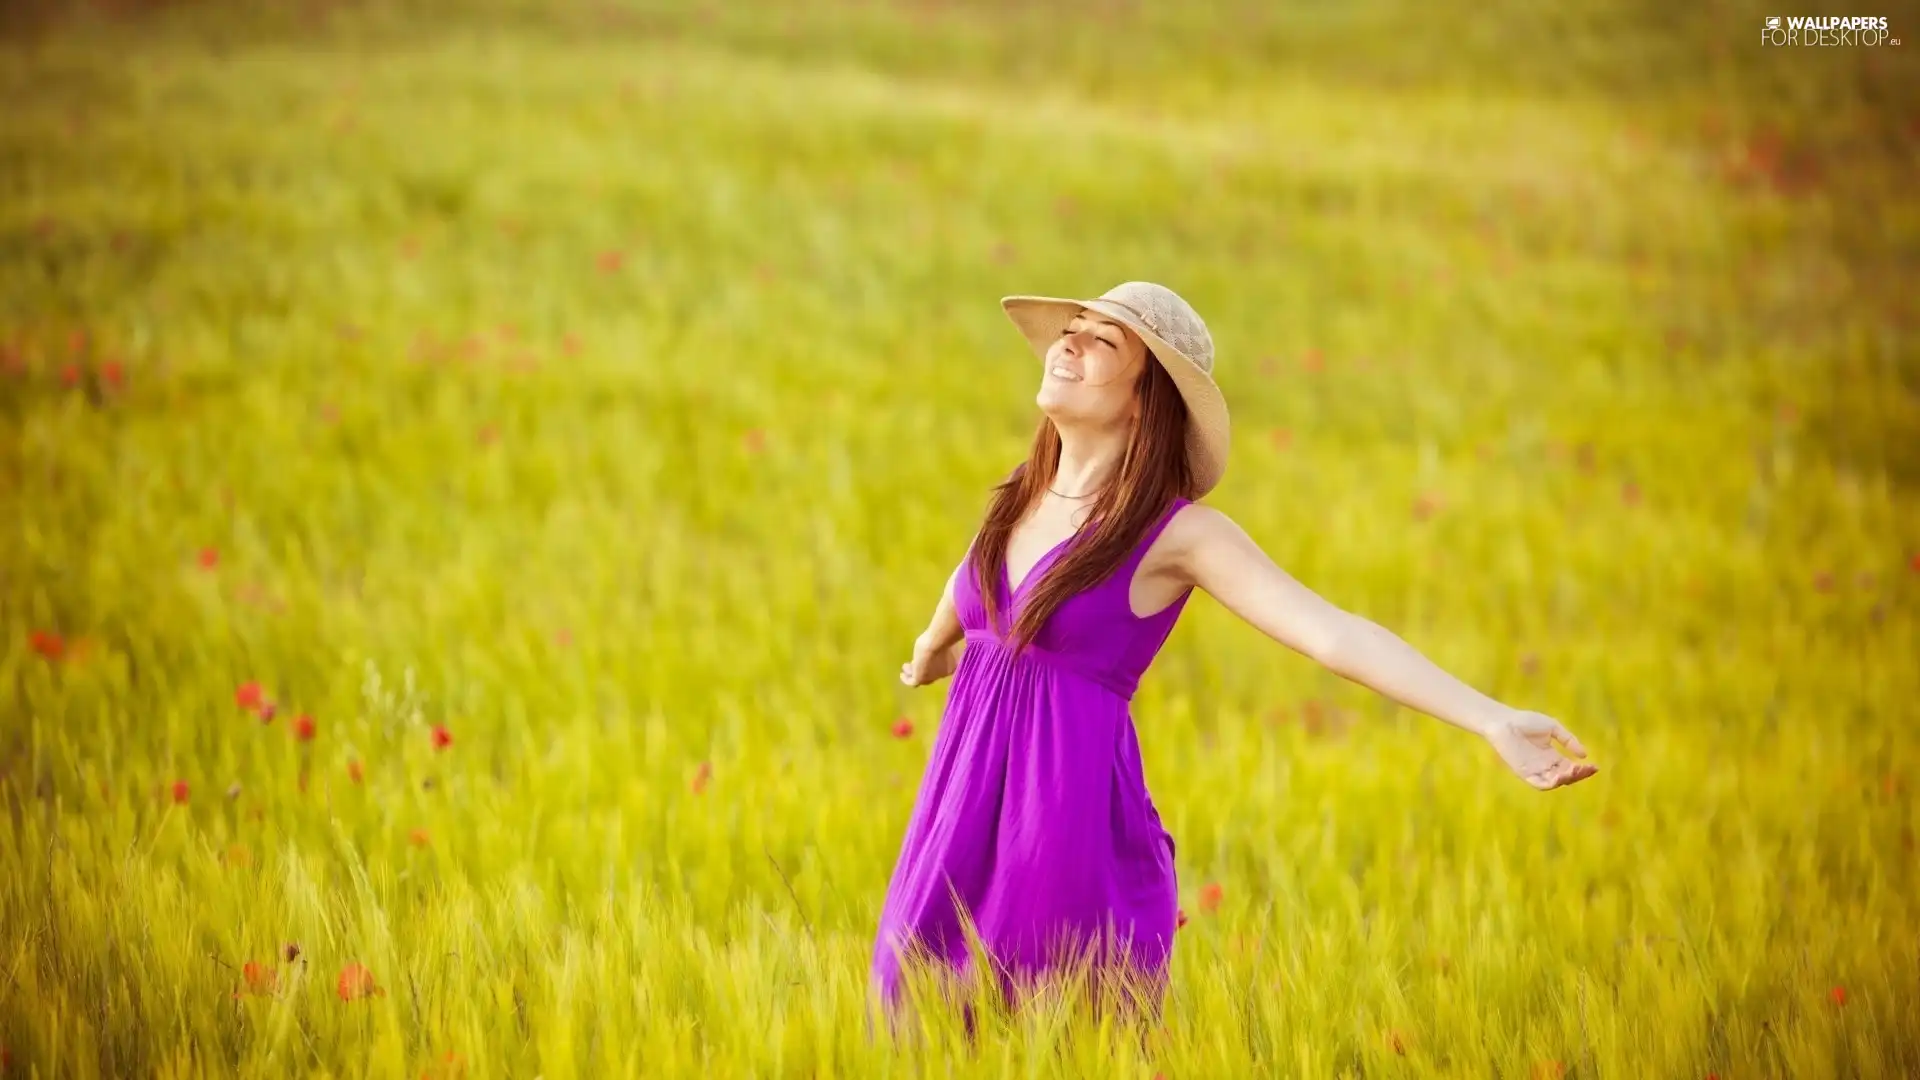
(1524, 740)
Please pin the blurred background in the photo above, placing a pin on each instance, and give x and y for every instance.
(471, 471)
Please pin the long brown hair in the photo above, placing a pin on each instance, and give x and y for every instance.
(1153, 471)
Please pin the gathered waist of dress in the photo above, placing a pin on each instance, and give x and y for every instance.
(1066, 662)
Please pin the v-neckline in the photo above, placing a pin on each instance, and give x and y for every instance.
(1006, 571)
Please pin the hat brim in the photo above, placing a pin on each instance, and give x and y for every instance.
(1041, 319)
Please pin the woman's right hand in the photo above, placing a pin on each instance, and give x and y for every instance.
(929, 664)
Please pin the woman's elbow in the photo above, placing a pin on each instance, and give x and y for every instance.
(1337, 642)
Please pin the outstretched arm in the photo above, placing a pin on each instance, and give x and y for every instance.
(1221, 559)
(944, 631)
(936, 652)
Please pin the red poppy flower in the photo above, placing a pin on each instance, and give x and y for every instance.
(1179, 918)
(701, 776)
(442, 738)
(354, 770)
(259, 978)
(303, 728)
(47, 644)
(114, 372)
(1838, 994)
(610, 261)
(267, 710)
(1914, 563)
(902, 728)
(356, 982)
(1313, 361)
(1630, 494)
(291, 951)
(70, 374)
(1282, 438)
(1314, 715)
(180, 791)
(209, 558)
(1210, 896)
(755, 440)
(570, 344)
(418, 838)
(1549, 1070)
(249, 695)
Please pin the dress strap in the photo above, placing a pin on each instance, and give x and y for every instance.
(1153, 533)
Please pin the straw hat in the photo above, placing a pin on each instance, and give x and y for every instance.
(1173, 330)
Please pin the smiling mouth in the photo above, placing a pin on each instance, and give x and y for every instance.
(1063, 373)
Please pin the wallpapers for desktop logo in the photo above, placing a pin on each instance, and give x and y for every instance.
(1827, 30)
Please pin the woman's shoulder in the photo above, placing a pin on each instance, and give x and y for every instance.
(1194, 524)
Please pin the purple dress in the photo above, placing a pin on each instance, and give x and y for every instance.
(1034, 811)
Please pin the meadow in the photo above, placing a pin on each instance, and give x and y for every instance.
(470, 474)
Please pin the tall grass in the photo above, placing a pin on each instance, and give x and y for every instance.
(611, 387)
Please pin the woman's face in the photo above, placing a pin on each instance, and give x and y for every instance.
(1090, 372)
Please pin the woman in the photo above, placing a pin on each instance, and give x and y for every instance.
(1033, 824)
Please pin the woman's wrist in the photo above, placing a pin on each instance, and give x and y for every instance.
(1488, 719)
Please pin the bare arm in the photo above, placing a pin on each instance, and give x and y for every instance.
(1223, 560)
(944, 631)
(1211, 552)
(936, 652)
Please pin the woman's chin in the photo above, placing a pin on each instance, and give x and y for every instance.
(1054, 401)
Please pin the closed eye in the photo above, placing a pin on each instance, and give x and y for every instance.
(1108, 342)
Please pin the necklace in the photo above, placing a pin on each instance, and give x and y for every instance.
(1066, 496)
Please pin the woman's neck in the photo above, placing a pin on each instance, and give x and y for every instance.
(1088, 460)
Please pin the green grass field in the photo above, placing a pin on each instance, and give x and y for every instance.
(613, 386)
